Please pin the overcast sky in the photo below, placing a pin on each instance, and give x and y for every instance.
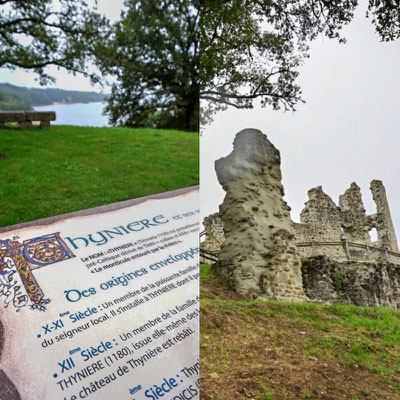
(349, 130)
(112, 9)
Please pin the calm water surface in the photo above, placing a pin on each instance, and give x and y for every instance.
(83, 114)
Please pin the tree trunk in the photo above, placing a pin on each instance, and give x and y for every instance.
(192, 116)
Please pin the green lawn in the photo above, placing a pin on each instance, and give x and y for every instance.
(67, 168)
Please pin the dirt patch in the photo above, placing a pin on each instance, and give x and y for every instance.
(270, 351)
(183, 143)
(213, 288)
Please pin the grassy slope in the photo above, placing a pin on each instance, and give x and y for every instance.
(45, 173)
(273, 350)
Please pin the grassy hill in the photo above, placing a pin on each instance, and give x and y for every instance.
(273, 351)
(48, 96)
(68, 168)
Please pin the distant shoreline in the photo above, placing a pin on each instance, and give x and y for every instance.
(68, 104)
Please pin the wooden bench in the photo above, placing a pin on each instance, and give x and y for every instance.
(25, 118)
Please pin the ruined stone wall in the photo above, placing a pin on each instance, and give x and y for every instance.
(323, 221)
(320, 219)
(214, 231)
(337, 252)
(329, 256)
(351, 282)
(258, 256)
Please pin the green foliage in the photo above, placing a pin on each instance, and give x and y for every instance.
(67, 168)
(205, 270)
(252, 49)
(386, 17)
(306, 395)
(39, 33)
(265, 394)
(12, 102)
(42, 97)
(338, 281)
(153, 56)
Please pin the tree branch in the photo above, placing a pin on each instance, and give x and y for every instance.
(244, 97)
(228, 103)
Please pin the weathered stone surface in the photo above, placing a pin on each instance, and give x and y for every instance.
(323, 221)
(353, 215)
(352, 282)
(40, 115)
(320, 218)
(260, 246)
(25, 125)
(258, 257)
(45, 124)
(25, 118)
(12, 116)
(383, 219)
(214, 233)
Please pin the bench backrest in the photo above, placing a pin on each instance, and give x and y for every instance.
(12, 116)
(40, 115)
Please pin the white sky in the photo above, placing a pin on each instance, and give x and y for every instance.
(112, 9)
(348, 130)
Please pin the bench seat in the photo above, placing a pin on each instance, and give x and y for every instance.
(25, 118)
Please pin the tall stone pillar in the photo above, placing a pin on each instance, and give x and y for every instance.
(354, 217)
(258, 257)
(386, 232)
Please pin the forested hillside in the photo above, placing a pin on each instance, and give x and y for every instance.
(25, 98)
(12, 102)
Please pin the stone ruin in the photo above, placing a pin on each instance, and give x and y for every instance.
(327, 257)
(342, 232)
(213, 226)
(258, 256)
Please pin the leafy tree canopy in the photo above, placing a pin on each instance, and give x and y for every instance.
(251, 49)
(35, 34)
(153, 58)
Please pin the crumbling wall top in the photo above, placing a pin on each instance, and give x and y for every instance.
(354, 217)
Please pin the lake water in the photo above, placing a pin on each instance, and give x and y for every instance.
(83, 114)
